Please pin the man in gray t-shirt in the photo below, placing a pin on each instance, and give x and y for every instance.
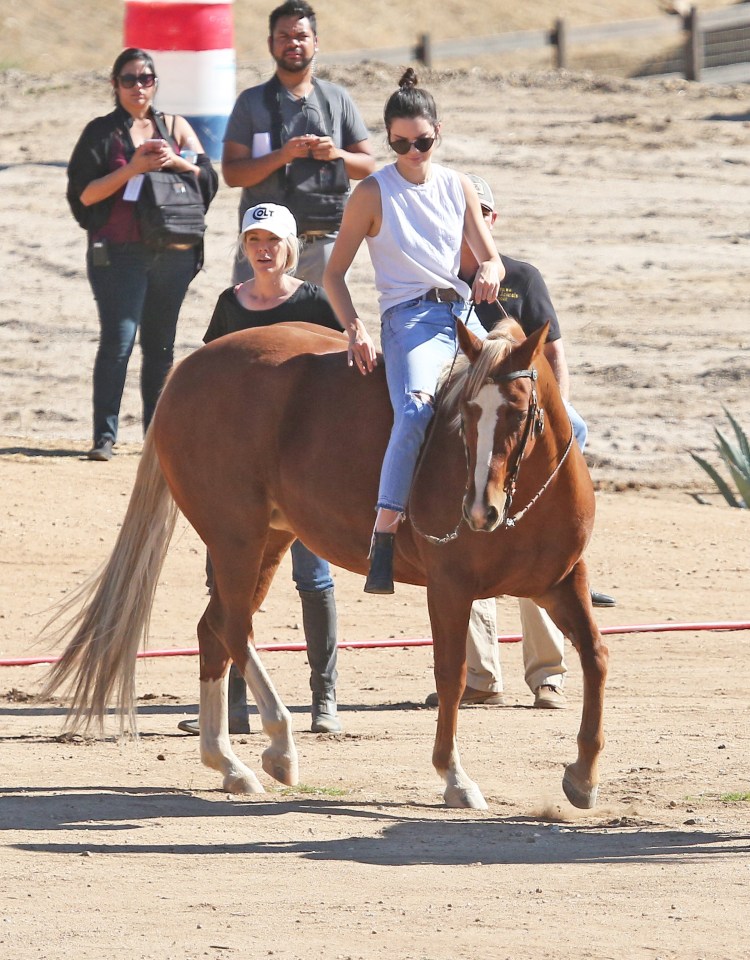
(297, 140)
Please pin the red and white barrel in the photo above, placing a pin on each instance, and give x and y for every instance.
(192, 43)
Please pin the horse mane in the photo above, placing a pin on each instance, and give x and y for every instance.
(463, 379)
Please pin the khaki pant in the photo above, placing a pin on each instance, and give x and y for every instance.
(543, 647)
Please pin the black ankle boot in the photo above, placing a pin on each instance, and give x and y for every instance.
(380, 577)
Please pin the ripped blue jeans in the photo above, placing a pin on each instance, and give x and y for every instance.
(418, 337)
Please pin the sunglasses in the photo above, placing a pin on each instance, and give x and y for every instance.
(422, 144)
(129, 80)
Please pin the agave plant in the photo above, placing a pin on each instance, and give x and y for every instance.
(737, 458)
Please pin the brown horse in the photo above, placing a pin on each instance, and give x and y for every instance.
(266, 435)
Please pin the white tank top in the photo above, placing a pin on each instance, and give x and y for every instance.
(418, 245)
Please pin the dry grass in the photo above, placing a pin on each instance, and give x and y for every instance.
(54, 35)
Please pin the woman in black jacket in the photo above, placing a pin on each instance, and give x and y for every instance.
(135, 286)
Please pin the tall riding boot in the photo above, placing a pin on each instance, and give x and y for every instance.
(319, 622)
(380, 577)
(238, 718)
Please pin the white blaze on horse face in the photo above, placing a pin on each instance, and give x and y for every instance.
(489, 400)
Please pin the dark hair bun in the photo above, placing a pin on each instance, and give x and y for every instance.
(408, 80)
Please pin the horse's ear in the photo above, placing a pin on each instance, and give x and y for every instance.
(540, 337)
(533, 345)
(469, 343)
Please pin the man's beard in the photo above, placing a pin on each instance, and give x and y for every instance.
(294, 66)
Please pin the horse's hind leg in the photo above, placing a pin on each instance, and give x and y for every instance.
(215, 745)
(569, 605)
(449, 617)
(280, 758)
(240, 583)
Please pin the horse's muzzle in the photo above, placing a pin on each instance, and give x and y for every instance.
(482, 518)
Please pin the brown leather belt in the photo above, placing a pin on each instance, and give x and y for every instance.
(438, 295)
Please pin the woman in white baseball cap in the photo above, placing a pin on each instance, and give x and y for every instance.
(268, 240)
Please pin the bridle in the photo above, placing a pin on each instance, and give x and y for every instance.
(534, 426)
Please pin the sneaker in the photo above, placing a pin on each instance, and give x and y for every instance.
(324, 717)
(471, 697)
(549, 697)
(602, 600)
(189, 726)
(102, 450)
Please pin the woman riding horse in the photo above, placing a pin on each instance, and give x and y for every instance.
(414, 215)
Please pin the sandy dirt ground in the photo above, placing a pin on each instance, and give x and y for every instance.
(633, 200)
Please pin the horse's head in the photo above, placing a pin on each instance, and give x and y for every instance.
(500, 419)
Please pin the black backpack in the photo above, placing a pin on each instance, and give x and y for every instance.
(171, 205)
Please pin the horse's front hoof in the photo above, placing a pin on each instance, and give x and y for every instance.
(465, 798)
(243, 783)
(281, 766)
(582, 797)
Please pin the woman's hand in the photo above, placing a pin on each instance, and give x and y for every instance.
(151, 155)
(361, 353)
(173, 159)
(486, 284)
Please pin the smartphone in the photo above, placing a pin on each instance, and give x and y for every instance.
(153, 145)
(100, 253)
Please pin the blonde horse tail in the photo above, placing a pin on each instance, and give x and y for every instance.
(98, 664)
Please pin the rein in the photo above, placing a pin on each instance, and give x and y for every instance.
(534, 424)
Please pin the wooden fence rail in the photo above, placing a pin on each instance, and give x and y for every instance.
(719, 35)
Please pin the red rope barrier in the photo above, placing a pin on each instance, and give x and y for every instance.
(725, 625)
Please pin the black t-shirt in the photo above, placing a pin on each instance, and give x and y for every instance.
(308, 303)
(525, 297)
